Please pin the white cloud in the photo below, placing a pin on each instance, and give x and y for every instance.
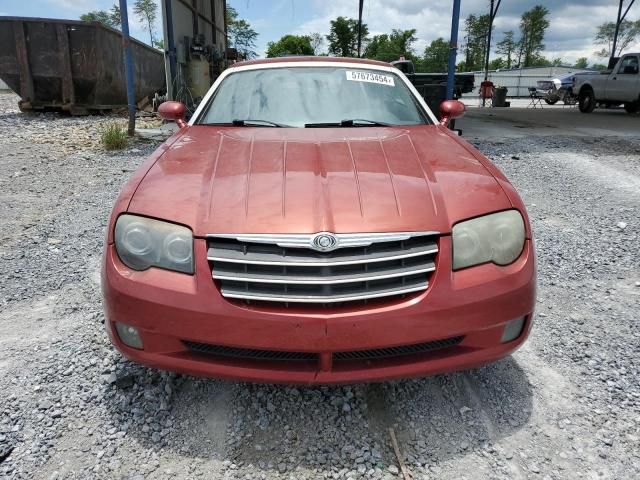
(76, 5)
(570, 35)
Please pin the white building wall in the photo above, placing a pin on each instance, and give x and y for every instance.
(519, 81)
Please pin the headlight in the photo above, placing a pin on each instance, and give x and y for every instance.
(143, 242)
(497, 238)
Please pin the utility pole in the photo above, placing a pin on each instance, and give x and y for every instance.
(170, 48)
(453, 48)
(619, 19)
(493, 10)
(360, 27)
(128, 67)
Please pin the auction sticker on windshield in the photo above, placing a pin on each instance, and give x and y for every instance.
(359, 76)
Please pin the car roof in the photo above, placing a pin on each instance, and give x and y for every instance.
(298, 59)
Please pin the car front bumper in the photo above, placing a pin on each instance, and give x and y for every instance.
(169, 309)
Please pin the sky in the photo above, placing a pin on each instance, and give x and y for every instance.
(70, 10)
(570, 35)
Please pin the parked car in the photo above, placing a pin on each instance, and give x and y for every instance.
(557, 89)
(314, 223)
(564, 87)
(561, 89)
(619, 86)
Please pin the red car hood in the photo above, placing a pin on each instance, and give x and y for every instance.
(282, 180)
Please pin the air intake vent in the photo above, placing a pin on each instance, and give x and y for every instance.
(416, 349)
(248, 354)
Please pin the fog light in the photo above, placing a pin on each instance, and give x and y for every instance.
(513, 329)
(129, 335)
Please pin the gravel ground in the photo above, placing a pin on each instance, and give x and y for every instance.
(567, 405)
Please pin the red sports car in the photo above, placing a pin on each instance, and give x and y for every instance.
(314, 222)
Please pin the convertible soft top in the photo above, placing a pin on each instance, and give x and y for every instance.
(313, 59)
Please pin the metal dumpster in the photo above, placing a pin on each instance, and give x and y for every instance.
(72, 65)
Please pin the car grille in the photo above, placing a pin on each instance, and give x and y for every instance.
(286, 270)
(278, 355)
(389, 352)
(248, 353)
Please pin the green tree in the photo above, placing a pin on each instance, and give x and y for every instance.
(436, 56)
(147, 13)
(391, 47)
(542, 61)
(290, 45)
(101, 16)
(507, 47)
(533, 26)
(497, 64)
(241, 36)
(582, 62)
(599, 66)
(475, 41)
(403, 41)
(317, 41)
(627, 34)
(109, 18)
(343, 37)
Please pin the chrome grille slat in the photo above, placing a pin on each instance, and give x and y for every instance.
(262, 268)
(219, 255)
(320, 279)
(345, 240)
(266, 297)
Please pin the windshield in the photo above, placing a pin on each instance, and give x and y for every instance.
(313, 96)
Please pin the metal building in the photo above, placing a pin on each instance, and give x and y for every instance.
(195, 46)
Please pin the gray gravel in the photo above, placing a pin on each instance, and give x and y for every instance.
(567, 405)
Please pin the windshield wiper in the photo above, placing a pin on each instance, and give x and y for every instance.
(353, 122)
(245, 123)
(260, 123)
(363, 122)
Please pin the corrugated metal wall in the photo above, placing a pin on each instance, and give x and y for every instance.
(191, 18)
(519, 81)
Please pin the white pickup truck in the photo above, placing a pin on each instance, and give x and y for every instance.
(621, 85)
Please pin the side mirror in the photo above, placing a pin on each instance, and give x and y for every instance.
(173, 112)
(449, 110)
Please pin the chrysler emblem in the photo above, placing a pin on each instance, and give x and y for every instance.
(324, 242)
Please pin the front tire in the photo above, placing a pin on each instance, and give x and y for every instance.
(586, 101)
(632, 107)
